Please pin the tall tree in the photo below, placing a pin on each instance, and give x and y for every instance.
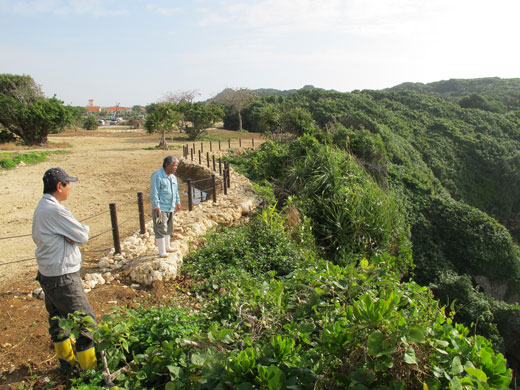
(238, 99)
(178, 97)
(25, 111)
(160, 118)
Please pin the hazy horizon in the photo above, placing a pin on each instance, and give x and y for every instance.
(133, 52)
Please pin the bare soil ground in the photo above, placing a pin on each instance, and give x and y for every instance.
(112, 166)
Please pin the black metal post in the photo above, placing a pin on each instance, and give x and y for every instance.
(140, 205)
(229, 143)
(190, 200)
(210, 146)
(207, 159)
(200, 158)
(240, 142)
(115, 228)
(191, 154)
(202, 147)
(225, 183)
(218, 144)
(228, 175)
(220, 166)
(213, 157)
(214, 184)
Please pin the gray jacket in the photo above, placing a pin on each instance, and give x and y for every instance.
(52, 222)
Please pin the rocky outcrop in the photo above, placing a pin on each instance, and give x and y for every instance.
(502, 291)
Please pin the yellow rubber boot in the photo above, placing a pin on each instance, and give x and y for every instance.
(65, 354)
(87, 358)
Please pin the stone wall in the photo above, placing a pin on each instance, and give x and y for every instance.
(139, 257)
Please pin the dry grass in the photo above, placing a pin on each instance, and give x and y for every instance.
(14, 147)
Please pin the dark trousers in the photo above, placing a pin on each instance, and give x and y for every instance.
(63, 295)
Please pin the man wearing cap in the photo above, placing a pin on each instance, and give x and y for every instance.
(164, 196)
(57, 235)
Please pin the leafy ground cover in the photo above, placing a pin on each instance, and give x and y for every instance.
(274, 315)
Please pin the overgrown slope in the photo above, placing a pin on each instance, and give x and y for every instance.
(273, 315)
(455, 171)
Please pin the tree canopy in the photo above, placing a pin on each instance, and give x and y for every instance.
(161, 118)
(198, 117)
(25, 111)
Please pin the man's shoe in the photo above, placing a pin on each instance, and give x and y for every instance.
(161, 245)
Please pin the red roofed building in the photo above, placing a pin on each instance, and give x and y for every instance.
(116, 108)
(91, 107)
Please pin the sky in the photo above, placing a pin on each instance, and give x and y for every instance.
(135, 52)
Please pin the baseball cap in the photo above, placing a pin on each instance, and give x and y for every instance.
(55, 175)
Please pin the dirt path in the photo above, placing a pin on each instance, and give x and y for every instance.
(111, 167)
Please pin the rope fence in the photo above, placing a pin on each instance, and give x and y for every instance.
(23, 235)
(224, 172)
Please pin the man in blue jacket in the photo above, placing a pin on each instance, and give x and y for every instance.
(57, 235)
(164, 196)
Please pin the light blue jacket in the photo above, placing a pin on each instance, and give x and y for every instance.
(164, 191)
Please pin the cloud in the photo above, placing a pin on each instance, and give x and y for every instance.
(165, 11)
(293, 16)
(64, 7)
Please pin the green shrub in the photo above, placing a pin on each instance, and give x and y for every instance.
(321, 327)
(90, 123)
(263, 245)
(351, 216)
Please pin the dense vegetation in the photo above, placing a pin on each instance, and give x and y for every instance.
(454, 170)
(386, 201)
(25, 112)
(26, 115)
(490, 94)
(274, 315)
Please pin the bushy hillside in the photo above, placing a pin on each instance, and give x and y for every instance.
(315, 296)
(490, 93)
(272, 315)
(455, 172)
(474, 154)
